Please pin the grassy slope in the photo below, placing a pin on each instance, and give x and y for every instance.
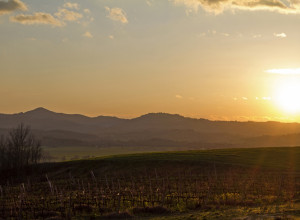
(59, 154)
(282, 159)
(276, 159)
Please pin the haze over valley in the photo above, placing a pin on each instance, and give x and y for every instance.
(147, 133)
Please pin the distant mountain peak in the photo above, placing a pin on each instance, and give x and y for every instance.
(39, 110)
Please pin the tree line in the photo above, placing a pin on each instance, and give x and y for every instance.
(19, 149)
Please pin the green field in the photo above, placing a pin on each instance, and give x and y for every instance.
(276, 159)
(58, 154)
(258, 183)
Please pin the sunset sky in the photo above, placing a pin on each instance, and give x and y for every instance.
(216, 59)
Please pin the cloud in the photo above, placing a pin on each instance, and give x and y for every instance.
(225, 34)
(178, 97)
(67, 15)
(10, 6)
(210, 33)
(37, 18)
(88, 34)
(149, 2)
(280, 35)
(111, 37)
(71, 5)
(87, 11)
(295, 71)
(295, 3)
(264, 98)
(117, 14)
(218, 6)
(256, 35)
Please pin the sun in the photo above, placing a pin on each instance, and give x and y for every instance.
(287, 96)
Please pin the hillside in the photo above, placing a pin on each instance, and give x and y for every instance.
(268, 159)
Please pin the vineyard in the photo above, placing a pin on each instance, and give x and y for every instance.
(153, 187)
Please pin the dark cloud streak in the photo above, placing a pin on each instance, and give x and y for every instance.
(37, 18)
(218, 6)
(10, 6)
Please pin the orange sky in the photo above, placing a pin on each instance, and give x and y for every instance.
(223, 60)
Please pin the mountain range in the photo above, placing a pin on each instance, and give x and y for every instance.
(159, 129)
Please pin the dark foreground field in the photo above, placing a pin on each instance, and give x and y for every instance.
(261, 183)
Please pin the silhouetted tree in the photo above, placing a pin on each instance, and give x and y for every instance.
(19, 149)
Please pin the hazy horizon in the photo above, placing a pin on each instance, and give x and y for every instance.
(137, 116)
(220, 60)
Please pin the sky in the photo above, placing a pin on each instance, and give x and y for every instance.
(215, 59)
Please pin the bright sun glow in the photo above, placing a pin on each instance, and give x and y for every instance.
(288, 96)
(295, 71)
